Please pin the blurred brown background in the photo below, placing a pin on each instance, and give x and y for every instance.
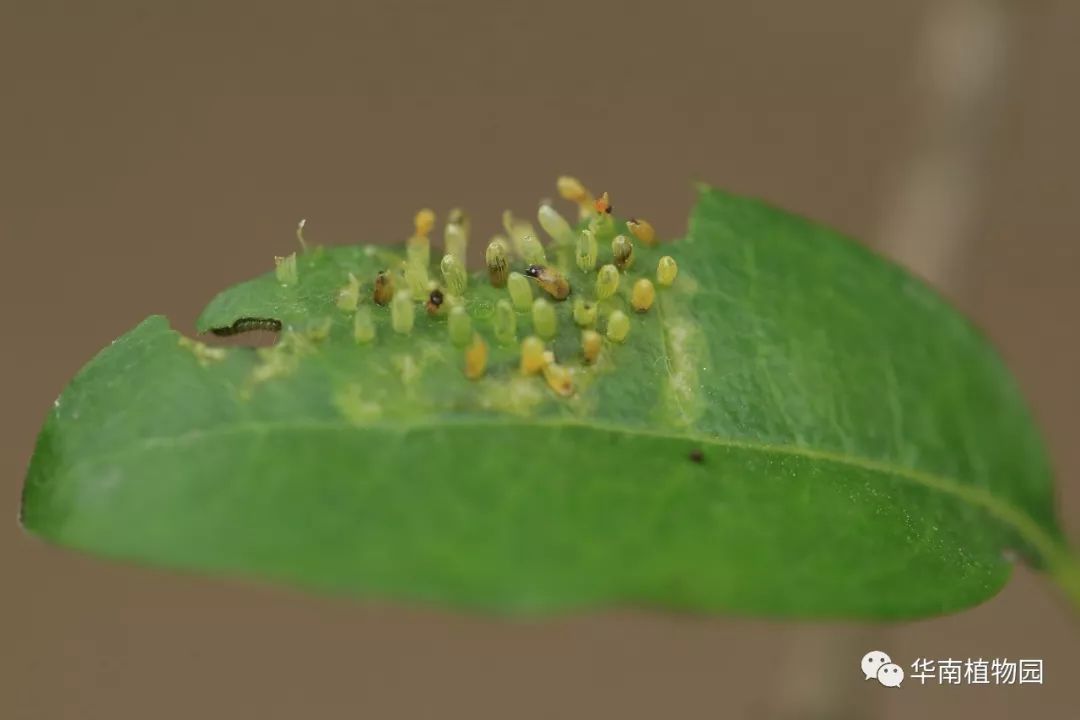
(153, 153)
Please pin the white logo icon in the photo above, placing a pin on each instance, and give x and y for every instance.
(874, 661)
(890, 675)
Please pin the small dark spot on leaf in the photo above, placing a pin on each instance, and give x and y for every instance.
(696, 455)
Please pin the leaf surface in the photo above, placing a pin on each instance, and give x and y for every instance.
(796, 428)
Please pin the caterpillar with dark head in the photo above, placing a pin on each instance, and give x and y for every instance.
(434, 302)
(247, 324)
(550, 280)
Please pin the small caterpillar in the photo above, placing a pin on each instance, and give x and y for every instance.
(434, 302)
(642, 230)
(550, 280)
(603, 204)
(602, 222)
(247, 324)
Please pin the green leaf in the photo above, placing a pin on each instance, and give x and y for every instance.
(796, 428)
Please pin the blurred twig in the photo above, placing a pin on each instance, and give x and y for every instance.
(960, 63)
(927, 226)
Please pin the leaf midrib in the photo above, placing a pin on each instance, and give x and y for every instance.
(1051, 551)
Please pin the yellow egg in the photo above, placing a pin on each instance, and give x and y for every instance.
(642, 295)
(618, 326)
(591, 343)
(532, 355)
(476, 356)
(666, 271)
(607, 281)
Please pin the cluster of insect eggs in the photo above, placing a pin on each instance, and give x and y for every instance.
(403, 291)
